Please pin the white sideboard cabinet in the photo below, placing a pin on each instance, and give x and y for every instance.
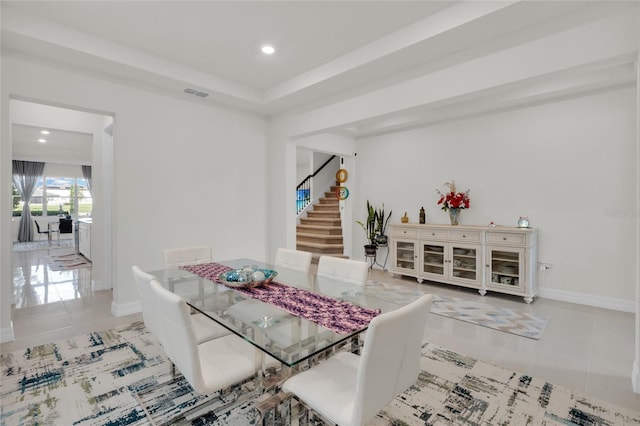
(500, 259)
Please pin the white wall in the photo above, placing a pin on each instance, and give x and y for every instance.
(568, 165)
(323, 180)
(183, 173)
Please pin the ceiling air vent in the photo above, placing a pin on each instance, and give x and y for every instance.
(196, 92)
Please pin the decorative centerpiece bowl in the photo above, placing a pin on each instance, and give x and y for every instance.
(248, 276)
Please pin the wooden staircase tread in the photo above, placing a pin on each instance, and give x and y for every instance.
(319, 227)
(319, 245)
(312, 235)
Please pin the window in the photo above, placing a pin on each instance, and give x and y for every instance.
(57, 195)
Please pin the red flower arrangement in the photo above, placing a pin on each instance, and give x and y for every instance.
(453, 199)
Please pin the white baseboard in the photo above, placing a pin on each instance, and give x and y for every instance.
(123, 309)
(635, 377)
(588, 299)
(6, 334)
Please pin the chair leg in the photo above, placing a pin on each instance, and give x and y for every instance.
(276, 410)
(299, 411)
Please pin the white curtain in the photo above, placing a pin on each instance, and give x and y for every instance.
(25, 178)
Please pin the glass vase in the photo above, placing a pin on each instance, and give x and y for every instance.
(454, 216)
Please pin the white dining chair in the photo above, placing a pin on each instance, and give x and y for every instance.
(297, 260)
(149, 311)
(209, 366)
(349, 390)
(204, 328)
(345, 270)
(174, 257)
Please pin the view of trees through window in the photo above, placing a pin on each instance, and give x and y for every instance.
(55, 196)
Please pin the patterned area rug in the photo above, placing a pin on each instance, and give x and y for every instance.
(67, 261)
(514, 321)
(527, 324)
(43, 245)
(456, 390)
(92, 380)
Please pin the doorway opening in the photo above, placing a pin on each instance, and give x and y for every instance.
(67, 140)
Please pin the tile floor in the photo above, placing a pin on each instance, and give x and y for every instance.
(586, 349)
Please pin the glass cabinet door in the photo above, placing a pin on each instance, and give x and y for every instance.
(505, 268)
(464, 263)
(405, 255)
(433, 259)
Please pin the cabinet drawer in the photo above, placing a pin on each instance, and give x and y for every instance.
(405, 232)
(506, 238)
(471, 236)
(433, 234)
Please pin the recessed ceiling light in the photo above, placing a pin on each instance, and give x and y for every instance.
(44, 132)
(268, 49)
(41, 140)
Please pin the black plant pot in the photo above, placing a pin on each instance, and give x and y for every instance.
(370, 249)
(381, 240)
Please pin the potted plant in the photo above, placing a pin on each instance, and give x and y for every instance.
(381, 227)
(369, 228)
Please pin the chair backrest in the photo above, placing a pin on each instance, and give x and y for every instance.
(293, 259)
(390, 360)
(38, 228)
(181, 341)
(175, 257)
(346, 270)
(66, 226)
(150, 314)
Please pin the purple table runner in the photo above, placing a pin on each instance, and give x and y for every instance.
(335, 315)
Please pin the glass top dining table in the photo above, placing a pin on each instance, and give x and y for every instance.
(286, 337)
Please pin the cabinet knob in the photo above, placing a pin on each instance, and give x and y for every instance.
(504, 238)
(464, 236)
(433, 233)
(404, 232)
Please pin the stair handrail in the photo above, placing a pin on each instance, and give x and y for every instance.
(305, 186)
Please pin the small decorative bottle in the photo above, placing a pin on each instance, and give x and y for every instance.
(423, 216)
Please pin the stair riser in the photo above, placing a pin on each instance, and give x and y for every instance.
(320, 222)
(319, 231)
(324, 215)
(329, 201)
(321, 239)
(325, 208)
(320, 250)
